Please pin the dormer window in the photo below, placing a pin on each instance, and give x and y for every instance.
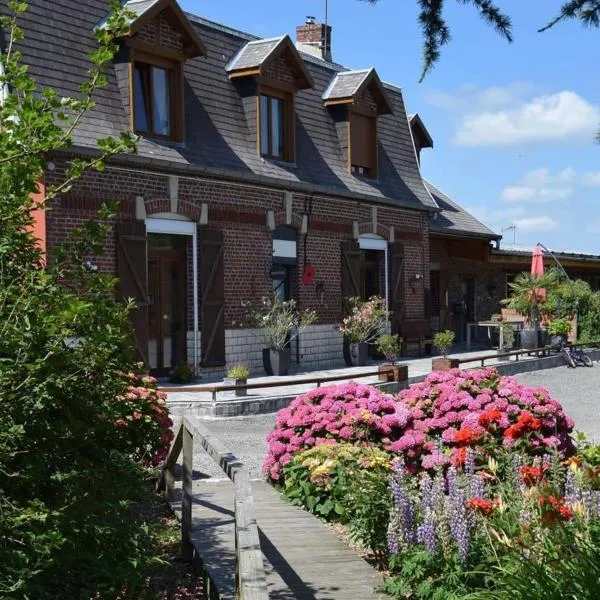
(363, 145)
(272, 71)
(155, 46)
(153, 105)
(356, 100)
(276, 124)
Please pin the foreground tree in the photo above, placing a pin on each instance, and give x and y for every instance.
(66, 475)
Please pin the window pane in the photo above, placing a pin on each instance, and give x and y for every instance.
(276, 127)
(140, 100)
(264, 124)
(161, 101)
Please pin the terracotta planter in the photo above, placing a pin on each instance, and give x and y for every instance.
(359, 353)
(232, 381)
(444, 364)
(392, 372)
(276, 362)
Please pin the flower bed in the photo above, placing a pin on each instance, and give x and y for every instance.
(430, 424)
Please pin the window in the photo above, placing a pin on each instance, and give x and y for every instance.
(272, 119)
(152, 99)
(363, 145)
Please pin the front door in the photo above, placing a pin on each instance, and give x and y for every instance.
(167, 295)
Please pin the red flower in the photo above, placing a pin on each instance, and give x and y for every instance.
(466, 436)
(459, 457)
(121, 423)
(137, 415)
(554, 509)
(525, 423)
(489, 416)
(532, 475)
(484, 507)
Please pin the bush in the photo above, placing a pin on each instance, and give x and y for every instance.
(238, 371)
(431, 424)
(390, 346)
(443, 341)
(320, 479)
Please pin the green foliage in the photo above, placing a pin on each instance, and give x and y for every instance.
(525, 296)
(319, 479)
(390, 346)
(508, 335)
(71, 420)
(181, 373)
(238, 371)
(559, 327)
(366, 321)
(369, 504)
(443, 341)
(280, 320)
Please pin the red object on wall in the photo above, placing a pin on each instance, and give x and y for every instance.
(308, 275)
(39, 216)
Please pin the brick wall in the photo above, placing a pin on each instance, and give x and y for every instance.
(279, 70)
(161, 32)
(240, 212)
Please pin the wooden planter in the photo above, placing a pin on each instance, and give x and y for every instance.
(444, 364)
(390, 372)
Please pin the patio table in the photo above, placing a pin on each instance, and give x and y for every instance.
(489, 324)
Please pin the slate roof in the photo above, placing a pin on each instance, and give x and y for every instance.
(453, 219)
(416, 122)
(345, 84)
(219, 141)
(253, 54)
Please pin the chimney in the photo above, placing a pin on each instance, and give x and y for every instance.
(314, 38)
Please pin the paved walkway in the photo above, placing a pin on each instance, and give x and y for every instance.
(303, 558)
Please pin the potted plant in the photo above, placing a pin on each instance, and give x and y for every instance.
(181, 373)
(443, 341)
(508, 338)
(528, 296)
(363, 326)
(237, 375)
(391, 347)
(281, 322)
(559, 332)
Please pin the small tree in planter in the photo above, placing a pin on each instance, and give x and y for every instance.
(391, 346)
(364, 325)
(559, 332)
(526, 299)
(443, 341)
(281, 322)
(237, 375)
(508, 338)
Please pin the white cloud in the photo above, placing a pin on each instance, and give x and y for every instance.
(591, 179)
(550, 117)
(468, 97)
(536, 224)
(540, 185)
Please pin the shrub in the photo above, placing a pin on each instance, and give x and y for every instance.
(443, 341)
(431, 424)
(181, 373)
(390, 346)
(238, 371)
(366, 321)
(559, 327)
(472, 533)
(320, 478)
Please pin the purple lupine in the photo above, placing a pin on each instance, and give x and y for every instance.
(477, 486)
(470, 462)
(404, 526)
(427, 531)
(572, 488)
(426, 489)
(517, 463)
(459, 525)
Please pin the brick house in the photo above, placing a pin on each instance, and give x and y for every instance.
(256, 158)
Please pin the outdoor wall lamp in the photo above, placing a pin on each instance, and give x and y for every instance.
(355, 231)
(270, 220)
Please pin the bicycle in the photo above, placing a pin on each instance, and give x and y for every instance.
(574, 357)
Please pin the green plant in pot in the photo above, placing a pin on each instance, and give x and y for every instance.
(237, 375)
(528, 295)
(391, 347)
(281, 322)
(364, 325)
(443, 341)
(559, 332)
(507, 337)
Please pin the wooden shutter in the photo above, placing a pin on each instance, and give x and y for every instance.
(132, 271)
(397, 288)
(350, 272)
(364, 140)
(212, 297)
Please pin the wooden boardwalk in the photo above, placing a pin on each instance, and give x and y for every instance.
(303, 558)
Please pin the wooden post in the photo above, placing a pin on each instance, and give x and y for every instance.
(187, 549)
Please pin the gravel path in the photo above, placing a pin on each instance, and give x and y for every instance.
(577, 389)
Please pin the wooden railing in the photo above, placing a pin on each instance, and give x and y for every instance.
(249, 569)
(516, 353)
(213, 390)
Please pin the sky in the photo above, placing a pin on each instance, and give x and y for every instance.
(512, 124)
